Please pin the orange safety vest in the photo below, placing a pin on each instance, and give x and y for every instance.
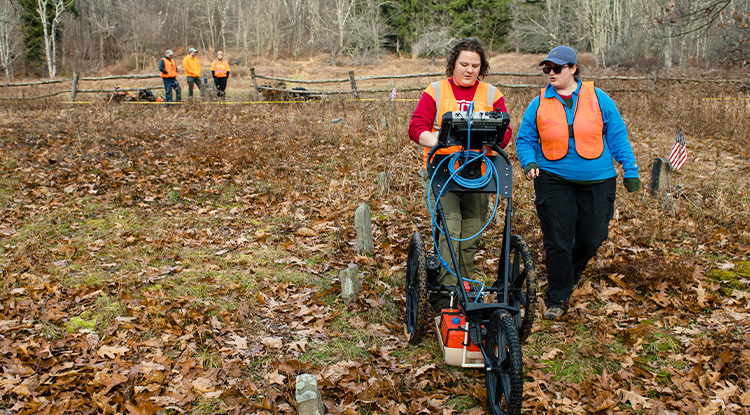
(586, 131)
(220, 69)
(484, 100)
(171, 67)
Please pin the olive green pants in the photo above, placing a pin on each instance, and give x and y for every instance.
(466, 214)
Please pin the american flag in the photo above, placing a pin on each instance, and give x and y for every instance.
(678, 155)
(393, 92)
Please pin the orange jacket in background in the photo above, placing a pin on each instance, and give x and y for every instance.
(191, 65)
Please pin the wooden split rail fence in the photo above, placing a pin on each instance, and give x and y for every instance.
(74, 86)
(279, 85)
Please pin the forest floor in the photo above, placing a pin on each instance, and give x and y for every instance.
(185, 259)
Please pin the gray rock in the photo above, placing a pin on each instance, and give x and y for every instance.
(309, 401)
(350, 283)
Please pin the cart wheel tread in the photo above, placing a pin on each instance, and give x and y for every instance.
(523, 285)
(417, 297)
(504, 381)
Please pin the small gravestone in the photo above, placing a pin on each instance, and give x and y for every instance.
(384, 180)
(211, 92)
(350, 283)
(667, 203)
(660, 177)
(363, 224)
(309, 401)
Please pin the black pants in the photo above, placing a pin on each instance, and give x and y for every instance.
(575, 221)
(221, 85)
(193, 80)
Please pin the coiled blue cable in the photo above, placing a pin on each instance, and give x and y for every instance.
(468, 156)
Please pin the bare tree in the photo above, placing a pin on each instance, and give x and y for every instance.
(264, 23)
(342, 12)
(105, 20)
(49, 27)
(435, 41)
(616, 31)
(10, 39)
(242, 27)
(732, 40)
(601, 21)
(145, 25)
(226, 6)
(367, 32)
(540, 25)
(296, 14)
(679, 22)
(322, 35)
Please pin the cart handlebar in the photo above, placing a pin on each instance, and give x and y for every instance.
(486, 129)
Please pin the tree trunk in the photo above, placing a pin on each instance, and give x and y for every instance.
(668, 48)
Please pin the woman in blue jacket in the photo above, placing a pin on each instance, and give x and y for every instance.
(567, 141)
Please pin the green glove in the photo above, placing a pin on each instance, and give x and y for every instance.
(529, 167)
(632, 183)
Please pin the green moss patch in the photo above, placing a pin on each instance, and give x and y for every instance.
(731, 279)
(84, 321)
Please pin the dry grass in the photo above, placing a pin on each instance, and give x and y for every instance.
(189, 217)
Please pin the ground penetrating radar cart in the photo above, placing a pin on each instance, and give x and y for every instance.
(484, 326)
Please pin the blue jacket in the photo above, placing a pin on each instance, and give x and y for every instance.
(573, 166)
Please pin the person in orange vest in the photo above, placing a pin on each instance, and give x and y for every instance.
(168, 72)
(568, 140)
(220, 72)
(465, 213)
(192, 67)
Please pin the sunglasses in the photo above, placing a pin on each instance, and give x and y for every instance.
(554, 69)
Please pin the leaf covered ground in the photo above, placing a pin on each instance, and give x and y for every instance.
(186, 260)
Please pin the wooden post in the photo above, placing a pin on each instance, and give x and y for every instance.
(74, 87)
(255, 82)
(355, 94)
(204, 88)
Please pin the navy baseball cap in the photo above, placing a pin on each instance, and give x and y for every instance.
(561, 55)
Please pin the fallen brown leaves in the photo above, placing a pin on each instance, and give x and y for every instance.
(184, 260)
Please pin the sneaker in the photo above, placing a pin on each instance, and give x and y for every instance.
(555, 311)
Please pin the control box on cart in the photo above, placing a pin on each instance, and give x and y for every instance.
(457, 347)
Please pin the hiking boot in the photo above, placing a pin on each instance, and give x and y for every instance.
(439, 302)
(555, 311)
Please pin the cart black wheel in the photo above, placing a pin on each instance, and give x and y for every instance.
(504, 380)
(523, 284)
(417, 297)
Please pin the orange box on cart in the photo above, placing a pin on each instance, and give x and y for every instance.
(458, 350)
